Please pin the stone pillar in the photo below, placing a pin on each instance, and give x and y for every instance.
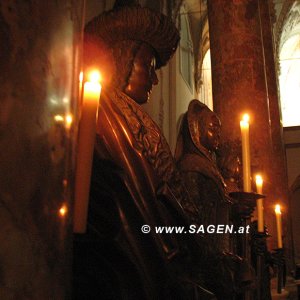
(244, 80)
(40, 46)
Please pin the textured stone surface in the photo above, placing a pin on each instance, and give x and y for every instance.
(239, 86)
(38, 60)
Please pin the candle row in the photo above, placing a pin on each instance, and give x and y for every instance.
(244, 124)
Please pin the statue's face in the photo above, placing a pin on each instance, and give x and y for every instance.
(210, 138)
(142, 76)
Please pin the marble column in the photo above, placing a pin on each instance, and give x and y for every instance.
(244, 80)
(39, 59)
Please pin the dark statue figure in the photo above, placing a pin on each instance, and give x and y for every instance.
(199, 137)
(230, 165)
(135, 181)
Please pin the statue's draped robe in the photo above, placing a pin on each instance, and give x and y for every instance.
(207, 191)
(208, 194)
(135, 182)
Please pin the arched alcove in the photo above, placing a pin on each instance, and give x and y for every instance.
(289, 57)
(289, 81)
(186, 49)
(205, 94)
(204, 72)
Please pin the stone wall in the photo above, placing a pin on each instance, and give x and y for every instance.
(40, 46)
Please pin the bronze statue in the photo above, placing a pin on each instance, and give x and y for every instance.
(135, 181)
(198, 140)
(229, 164)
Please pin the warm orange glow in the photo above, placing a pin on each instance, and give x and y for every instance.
(58, 118)
(246, 118)
(91, 92)
(86, 140)
(69, 120)
(259, 204)
(63, 210)
(244, 124)
(259, 183)
(259, 180)
(278, 225)
(66, 100)
(277, 209)
(94, 76)
(80, 85)
(92, 87)
(81, 76)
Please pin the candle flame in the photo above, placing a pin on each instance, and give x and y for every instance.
(94, 76)
(63, 210)
(259, 180)
(246, 118)
(277, 209)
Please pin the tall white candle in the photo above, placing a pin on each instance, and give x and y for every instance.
(259, 204)
(86, 140)
(279, 225)
(246, 153)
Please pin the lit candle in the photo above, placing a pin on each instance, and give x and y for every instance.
(259, 204)
(63, 210)
(86, 140)
(246, 153)
(279, 225)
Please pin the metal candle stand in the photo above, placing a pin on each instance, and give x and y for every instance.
(244, 205)
(278, 259)
(259, 241)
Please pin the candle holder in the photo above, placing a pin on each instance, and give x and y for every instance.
(279, 260)
(260, 260)
(243, 207)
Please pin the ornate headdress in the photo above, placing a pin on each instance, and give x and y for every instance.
(129, 21)
(191, 129)
(197, 111)
(189, 142)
